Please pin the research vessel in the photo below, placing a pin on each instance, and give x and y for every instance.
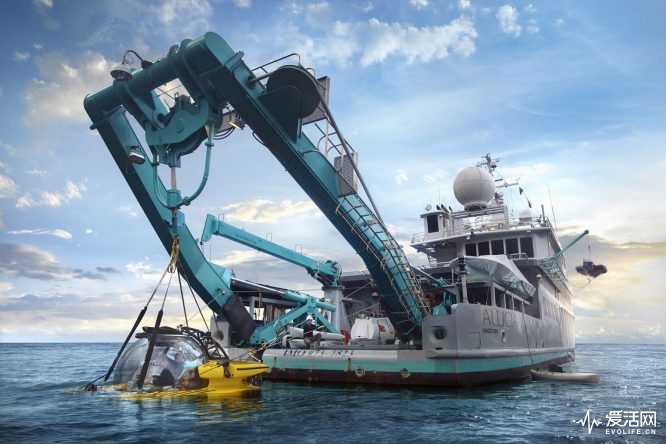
(492, 303)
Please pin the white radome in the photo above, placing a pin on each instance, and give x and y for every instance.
(474, 187)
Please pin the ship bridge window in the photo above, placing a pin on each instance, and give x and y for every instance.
(499, 299)
(484, 248)
(432, 224)
(497, 246)
(512, 246)
(470, 249)
(526, 246)
(479, 296)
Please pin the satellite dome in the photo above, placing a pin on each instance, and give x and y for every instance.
(474, 188)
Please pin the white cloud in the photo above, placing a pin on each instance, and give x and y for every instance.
(532, 26)
(6, 286)
(188, 16)
(57, 96)
(243, 4)
(8, 188)
(6, 146)
(36, 172)
(419, 4)
(418, 44)
(401, 177)
(374, 41)
(50, 199)
(44, 3)
(508, 20)
(316, 14)
(21, 56)
(128, 211)
(267, 211)
(464, 4)
(236, 257)
(143, 270)
(56, 233)
(367, 7)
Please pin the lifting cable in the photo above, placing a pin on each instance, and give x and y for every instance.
(171, 268)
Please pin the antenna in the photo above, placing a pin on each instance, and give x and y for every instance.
(552, 210)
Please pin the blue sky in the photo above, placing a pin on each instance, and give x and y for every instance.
(570, 95)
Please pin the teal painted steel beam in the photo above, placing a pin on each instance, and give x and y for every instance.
(327, 272)
(214, 75)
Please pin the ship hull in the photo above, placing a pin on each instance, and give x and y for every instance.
(404, 367)
(473, 345)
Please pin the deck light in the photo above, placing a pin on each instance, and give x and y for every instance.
(122, 72)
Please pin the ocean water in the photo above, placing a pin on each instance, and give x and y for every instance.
(40, 401)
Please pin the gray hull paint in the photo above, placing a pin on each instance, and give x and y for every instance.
(473, 345)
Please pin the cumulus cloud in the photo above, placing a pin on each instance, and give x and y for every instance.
(374, 41)
(418, 44)
(63, 78)
(44, 3)
(144, 270)
(190, 15)
(6, 146)
(236, 257)
(128, 211)
(5, 287)
(62, 234)
(464, 4)
(52, 199)
(508, 20)
(401, 177)
(267, 211)
(419, 4)
(35, 172)
(8, 188)
(27, 261)
(316, 14)
(21, 56)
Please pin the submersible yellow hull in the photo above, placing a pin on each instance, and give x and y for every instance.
(210, 379)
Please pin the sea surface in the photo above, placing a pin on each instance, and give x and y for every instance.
(40, 401)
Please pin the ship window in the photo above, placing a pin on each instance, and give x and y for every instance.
(470, 249)
(509, 302)
(484, 248)
(526, 246)
(519, 305)
(499, 299)
(512, 246)
(497, 246)
(431, 222)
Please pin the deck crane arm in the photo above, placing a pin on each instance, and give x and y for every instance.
(215, 77)
(327, 272)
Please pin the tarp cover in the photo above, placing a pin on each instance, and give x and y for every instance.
(500, 269)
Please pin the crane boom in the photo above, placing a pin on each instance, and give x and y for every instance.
(215, 77)
(327, 272)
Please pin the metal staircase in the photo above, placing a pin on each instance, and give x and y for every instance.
(401, 294)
